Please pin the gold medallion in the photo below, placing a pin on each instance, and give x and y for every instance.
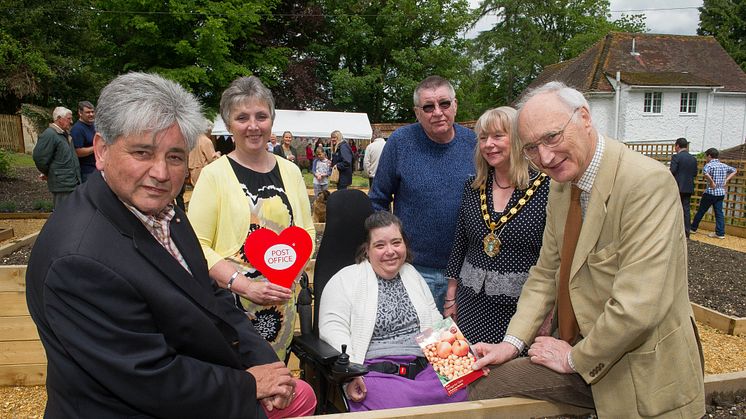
(491, 244)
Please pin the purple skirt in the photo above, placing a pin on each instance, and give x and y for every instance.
(388, 391)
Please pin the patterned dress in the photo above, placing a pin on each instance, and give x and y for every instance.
(270, 208)
(489, 287)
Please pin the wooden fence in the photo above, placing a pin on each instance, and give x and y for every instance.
(11, 133)
(734, 204)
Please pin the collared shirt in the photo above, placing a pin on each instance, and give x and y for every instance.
(718, 172)
(589, 176)
(586, 186)
(160, 227)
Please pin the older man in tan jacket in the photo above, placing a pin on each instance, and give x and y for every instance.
(628, 343)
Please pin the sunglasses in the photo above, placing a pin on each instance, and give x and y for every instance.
(430, 107)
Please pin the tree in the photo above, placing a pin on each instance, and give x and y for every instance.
(375, 53)
(47, 54)
(726, 21)
(201, 44)
(531, 35)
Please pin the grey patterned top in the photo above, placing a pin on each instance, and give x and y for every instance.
(396, 322)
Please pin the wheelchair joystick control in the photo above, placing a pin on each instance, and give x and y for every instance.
(343, 369)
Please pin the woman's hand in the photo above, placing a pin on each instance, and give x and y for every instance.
(264, 293)
(356, 389)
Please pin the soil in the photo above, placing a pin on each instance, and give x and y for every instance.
(717, 277)
(23, 191)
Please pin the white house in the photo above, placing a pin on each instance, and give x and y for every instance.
(656, 88)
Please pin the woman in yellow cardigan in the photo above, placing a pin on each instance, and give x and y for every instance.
(243, 191)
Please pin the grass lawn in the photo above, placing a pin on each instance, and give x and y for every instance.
(358, 181)
(21, 160)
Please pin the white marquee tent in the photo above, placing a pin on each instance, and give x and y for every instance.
(313, 124)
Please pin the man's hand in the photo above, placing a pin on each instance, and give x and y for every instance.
(493, 354)
(356, 389)
(551, 353)
(272, 380)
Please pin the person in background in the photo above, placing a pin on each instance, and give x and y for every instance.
(684, 169)
(354, 149)
(421, 170)
(244, 191)
(285, 149)
(372, 155)
(272, 143)
(498, 233)
(118, 286)
(613, 262)
(376, 308)
(717, 175)
(321, 169)
(309, 156)
(54, 156)
(342, 159)
(201, 155)
(82, 133)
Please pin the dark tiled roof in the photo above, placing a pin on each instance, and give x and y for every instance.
(670, 60)
(734, 153)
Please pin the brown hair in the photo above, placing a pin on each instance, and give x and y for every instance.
(377, 220)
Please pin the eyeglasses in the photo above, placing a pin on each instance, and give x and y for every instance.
(551, 140)
(430, 107)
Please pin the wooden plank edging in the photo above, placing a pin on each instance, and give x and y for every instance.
(14, 245)
(727, 324)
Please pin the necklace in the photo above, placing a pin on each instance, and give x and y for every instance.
(499, 185)
(492, 241)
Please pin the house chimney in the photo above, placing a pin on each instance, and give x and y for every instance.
(633, 52)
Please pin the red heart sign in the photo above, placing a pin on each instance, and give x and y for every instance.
(279, 257)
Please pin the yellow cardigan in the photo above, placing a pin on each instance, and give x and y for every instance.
(219, 213)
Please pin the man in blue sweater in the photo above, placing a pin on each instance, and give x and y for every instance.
(422, 170)
(83, 132)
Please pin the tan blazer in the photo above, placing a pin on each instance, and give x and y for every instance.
(628, 286)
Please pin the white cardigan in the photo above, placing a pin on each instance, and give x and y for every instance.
(349, 306)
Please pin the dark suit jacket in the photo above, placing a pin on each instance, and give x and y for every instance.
(684, 169)
(342, 158)
(127, 330)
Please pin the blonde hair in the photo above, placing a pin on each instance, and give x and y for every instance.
(503, 118)
(340, 138)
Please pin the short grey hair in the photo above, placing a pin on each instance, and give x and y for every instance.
(242, 90)
(572, 98)
(60, 112)
(433, 82)
(137, 103)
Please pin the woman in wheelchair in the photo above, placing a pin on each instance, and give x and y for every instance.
(376, 308)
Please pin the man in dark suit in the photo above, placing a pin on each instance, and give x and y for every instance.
(119, 290)
(684, 169)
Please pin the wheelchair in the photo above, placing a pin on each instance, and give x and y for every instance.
(323, 366)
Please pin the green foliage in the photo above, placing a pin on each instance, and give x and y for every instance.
(726, 21)
(42, 205)
(7, 206)
(21, 160)
(375, 53)
(47, 53)
(6, 167)
(201, 44)
(532, 35)
(39, 117)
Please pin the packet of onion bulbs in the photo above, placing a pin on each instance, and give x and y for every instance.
(450, 354)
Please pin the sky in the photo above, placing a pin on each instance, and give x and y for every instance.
(679, 17)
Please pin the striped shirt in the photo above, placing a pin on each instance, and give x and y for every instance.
(589, 176)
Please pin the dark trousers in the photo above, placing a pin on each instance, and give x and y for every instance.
(716, 202)
(686, 205)
(520, 377)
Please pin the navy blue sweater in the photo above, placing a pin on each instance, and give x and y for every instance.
(424, 179)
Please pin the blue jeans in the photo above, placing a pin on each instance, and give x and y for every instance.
(716, 202)
(436, 280)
